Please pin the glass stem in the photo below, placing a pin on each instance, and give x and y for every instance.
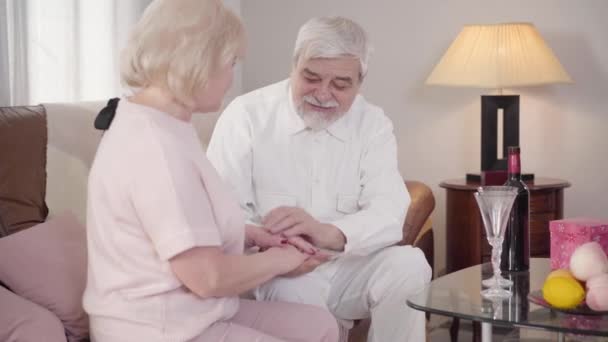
(496, 251)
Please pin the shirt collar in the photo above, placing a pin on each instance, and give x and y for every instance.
(340, 128)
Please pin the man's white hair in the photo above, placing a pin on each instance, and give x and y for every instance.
(332, 37)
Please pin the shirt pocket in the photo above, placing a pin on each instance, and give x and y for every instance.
(266, 201)
(347, 204)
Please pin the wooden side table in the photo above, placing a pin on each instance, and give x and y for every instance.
(465, 235)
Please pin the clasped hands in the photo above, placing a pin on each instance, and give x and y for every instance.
(291, 226)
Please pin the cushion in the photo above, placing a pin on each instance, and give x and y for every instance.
(23, 139)
(24, 321)
(46, 265)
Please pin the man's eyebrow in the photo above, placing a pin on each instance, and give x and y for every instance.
(310, 72)
(344, 79)
(338, 78)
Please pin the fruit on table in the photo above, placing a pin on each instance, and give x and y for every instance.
(597, 299)
(588, 260)
(597, 292)
(562, 290)
(599, 281)
(562, 272)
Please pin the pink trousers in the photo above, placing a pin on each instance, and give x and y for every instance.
(274, 322)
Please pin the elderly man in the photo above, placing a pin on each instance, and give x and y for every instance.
(312, 160)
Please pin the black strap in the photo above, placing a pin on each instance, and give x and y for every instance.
(106, 115)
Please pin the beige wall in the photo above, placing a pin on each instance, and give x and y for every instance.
(564, 127)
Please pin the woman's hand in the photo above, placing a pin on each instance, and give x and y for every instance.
(302, 244)
(287, 258)
(257, 236)
(260, 237)
(309, 265)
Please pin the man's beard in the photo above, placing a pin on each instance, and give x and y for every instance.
(314, 120)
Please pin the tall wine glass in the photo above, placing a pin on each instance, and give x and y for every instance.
(495, 204)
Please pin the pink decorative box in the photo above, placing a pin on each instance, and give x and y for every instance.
(568, 234)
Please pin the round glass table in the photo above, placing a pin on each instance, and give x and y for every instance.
(458, 295)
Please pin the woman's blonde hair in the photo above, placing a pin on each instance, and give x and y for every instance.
(180, 44)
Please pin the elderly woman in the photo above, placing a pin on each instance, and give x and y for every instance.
(165, 235)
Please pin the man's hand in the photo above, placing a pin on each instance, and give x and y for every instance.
(292, 221)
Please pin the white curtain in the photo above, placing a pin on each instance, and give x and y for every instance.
(62, 50)
(13, 57)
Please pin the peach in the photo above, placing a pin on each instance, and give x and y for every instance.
(597, 299)
(597, 282)
(588, 260)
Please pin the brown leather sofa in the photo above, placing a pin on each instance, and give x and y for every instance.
(35, 140)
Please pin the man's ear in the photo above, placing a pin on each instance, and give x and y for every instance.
(294, 64)
(361, 78)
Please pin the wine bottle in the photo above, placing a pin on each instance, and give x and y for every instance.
(516, 246)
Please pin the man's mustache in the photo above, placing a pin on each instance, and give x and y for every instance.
(313, 101)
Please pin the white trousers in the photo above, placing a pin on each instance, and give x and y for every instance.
(358, 287)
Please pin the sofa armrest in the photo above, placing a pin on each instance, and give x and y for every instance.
(419, 211)
(426, 242)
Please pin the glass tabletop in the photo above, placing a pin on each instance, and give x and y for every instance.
(458, 295)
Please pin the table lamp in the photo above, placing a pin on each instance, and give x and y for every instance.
(498, 56)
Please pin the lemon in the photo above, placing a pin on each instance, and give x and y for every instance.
(562, 290)
(562, 272)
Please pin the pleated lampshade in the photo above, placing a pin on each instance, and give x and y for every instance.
(498, 56)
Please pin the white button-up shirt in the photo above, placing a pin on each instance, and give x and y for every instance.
(345, 175)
